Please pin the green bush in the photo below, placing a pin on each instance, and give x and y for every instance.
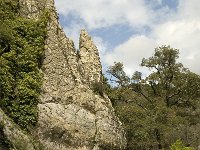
(21, 52)
(178, 145)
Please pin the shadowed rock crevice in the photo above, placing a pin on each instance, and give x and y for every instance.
(15, 138)
(4, 143)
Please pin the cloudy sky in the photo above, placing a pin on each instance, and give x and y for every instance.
(128, 30)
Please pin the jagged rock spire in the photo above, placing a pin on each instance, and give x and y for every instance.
(89, 56)
(70, 115)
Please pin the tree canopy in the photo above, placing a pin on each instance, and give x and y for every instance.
(158, 109)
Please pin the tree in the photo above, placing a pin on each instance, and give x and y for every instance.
(118, 73)
(170, 80)
(166, 71)
(162, 107)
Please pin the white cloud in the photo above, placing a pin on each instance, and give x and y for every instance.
(179, 28)
(182, 31)
(101, 45)
(104, 13)
(131, 53)
(189, 10)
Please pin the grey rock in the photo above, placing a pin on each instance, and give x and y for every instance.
(89, 57)
(71, 115)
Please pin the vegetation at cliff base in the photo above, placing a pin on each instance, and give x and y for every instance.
(21, 52)
(158, 111)
(161, 108)
(178, 145)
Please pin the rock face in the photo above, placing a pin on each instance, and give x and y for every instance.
(89, 58)
(71, 115)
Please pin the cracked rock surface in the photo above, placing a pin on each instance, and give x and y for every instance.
(71, 115)
(89, 57)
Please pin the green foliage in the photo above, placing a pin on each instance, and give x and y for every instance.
(119, 75)
(167, 71)
(102, 87)
(21, 52)
(8, 9)
(97, 87)
(160, 108)
(178, 145)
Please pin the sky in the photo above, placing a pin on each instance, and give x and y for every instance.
(128, 30)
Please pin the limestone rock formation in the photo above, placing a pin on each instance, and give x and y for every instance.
(89, 57)
(71, 115)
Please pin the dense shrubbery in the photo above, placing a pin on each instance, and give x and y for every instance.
(101, 87)
(178, 145)
(21, 51)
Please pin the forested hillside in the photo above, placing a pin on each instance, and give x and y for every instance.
(161, 108)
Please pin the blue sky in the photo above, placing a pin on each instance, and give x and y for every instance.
(128, 30)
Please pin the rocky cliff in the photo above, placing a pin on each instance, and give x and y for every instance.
(89, 59)
(71, 115)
